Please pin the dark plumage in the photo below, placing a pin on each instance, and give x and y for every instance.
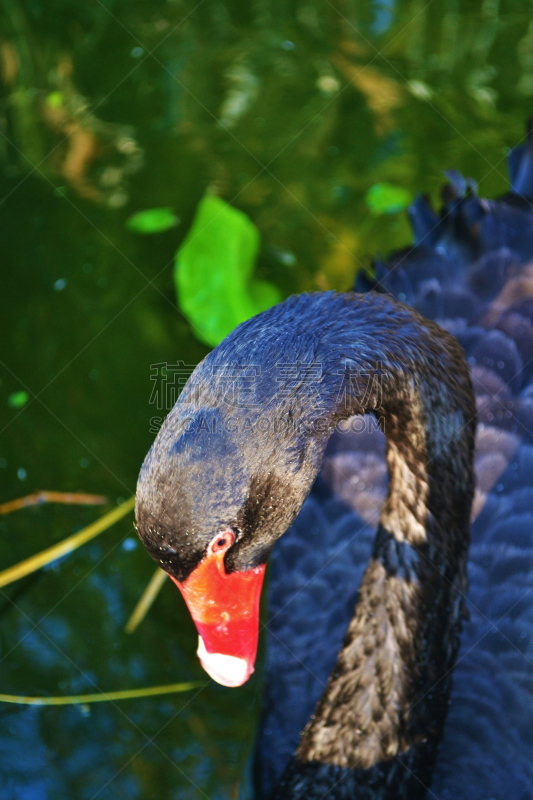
(246, 460)
(474, 279)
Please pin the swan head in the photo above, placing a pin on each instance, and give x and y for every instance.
(219, 486)
(209, 512)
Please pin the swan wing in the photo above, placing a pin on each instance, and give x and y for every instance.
(470, 270)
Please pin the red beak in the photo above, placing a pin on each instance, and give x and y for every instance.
(225, 609)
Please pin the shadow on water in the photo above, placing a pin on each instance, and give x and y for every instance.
(308, 116)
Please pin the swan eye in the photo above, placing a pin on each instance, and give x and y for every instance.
(222, 541)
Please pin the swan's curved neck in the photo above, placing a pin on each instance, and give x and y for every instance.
(386, 699)
(383, 709)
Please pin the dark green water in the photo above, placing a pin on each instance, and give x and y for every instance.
(289, 110)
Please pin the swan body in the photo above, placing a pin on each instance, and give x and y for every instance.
(230, 471)
(469, 272)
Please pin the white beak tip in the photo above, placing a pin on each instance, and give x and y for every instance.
(226, 670)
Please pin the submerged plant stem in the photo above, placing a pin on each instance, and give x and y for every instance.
(37, 498)
(45, 557)
(147, 598)
(101, 697)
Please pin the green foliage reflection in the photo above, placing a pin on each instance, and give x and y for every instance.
(214, 269)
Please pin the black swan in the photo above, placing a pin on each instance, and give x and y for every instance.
(241, 451)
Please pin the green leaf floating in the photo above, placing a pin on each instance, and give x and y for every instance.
(153, 220)
(214, 268)
(18, 399)
(384, 198)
